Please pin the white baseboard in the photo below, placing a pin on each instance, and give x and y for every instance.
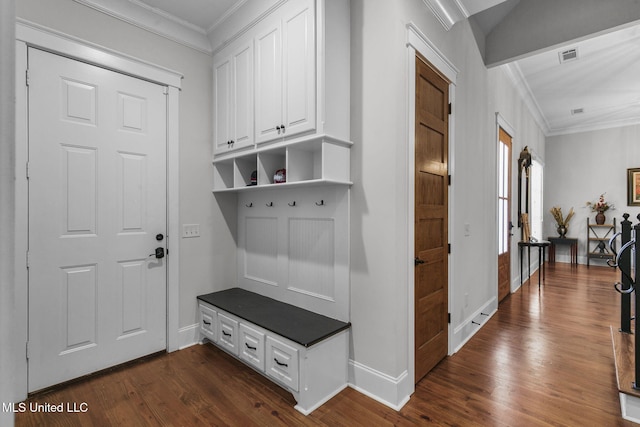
(188, 336)
(390, 391)
(472, 324)
(630, 407)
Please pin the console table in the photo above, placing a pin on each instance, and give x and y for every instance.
(542, 246)
(573, 245)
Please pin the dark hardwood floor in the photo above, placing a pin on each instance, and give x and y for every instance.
(544, 359)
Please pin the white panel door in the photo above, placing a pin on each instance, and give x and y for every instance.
(97, 200)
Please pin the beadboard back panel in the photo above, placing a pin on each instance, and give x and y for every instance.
(293, 246)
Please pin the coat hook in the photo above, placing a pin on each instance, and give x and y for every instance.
(270, 204)
(250, 205)
(292, 204)
(321, 203)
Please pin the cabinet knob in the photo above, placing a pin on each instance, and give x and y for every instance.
(278, 129)
(282, 127)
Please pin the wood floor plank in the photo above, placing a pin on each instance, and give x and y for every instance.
(544, 358)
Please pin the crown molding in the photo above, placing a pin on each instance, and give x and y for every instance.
(448, 12)
(592, 127)
(512, 70)
(154, 21)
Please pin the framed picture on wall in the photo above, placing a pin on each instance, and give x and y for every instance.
(633, 187)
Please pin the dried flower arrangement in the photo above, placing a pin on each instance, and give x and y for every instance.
(556, 212)
(600, 206)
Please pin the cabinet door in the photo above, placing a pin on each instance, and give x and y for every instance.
(228, 334)
(282, 363)
(208, 321)
(242, 97)
(222, 105)
(268, 89)
(252, 347)
(299, 68)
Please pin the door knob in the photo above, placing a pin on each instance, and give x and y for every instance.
(418, 261)
(159, 253)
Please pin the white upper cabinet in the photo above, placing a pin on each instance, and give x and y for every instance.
(233, 109)
(285, 60)
(281, 72)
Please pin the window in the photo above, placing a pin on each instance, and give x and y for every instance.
(504, 192)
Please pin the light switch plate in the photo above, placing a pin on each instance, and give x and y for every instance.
(190, 230)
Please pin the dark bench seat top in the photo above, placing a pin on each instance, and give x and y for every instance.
(299, 325)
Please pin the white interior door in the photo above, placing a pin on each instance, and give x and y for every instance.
(97, 201)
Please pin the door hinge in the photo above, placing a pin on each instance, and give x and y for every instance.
(165, 90)
(27, 167)
(449, 248)
(449, 179)
(27, 350)
(448, 317)
(26, 77)
(28, 259)
(450, 108)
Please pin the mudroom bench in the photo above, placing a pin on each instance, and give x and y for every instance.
(304, 352)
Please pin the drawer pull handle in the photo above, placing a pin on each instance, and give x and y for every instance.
(206, 322)
(225, 333)
(251, 348)
(280, 363)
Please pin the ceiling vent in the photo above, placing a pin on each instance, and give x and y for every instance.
(568, 55)
(577, 111)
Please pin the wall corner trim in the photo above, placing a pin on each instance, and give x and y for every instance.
(390, 391)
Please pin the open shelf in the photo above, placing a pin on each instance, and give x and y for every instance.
(316, 161)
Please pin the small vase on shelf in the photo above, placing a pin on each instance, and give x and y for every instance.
(562, 231)
(600, 218)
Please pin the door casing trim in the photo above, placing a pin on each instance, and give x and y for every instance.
(418, 42)
(32, 35)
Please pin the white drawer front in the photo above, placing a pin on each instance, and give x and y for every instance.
(282, 363)
(252, 347)
(228, 333)
(208, 321)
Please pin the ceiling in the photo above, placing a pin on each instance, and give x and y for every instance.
(602, 82)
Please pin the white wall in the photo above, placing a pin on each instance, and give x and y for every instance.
(8, 336)
(579, 168)
(381, 262)
(381, 266)
(206, 263)
(506, 101)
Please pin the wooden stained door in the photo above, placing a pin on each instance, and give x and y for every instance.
(431, 218)
(97, 210)
(504, 214)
